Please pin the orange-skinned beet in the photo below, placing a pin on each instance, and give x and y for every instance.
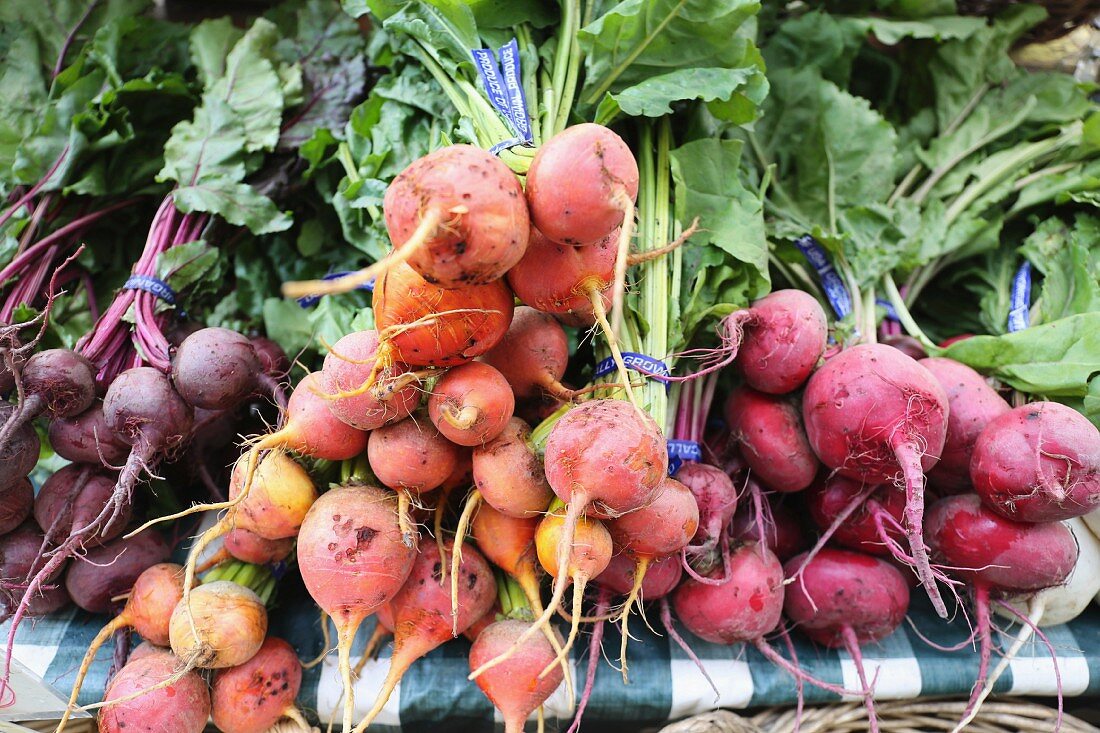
(353, 559)
(482, 215)
(349, 365)
(181, 707)
(533, 354)
(252, 697)
(576, 181)
(427, 325)
(514, 686)
(471, 404)
(413, 456)
(421, 611)
(509, 474)
(559, 279)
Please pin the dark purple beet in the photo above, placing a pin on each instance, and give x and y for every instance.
(18, 550)
(216, 369)
(906, 345)
(180, 331)
(61, 380)
(274, 360)
(142, 408)
(109, 571)
(72, 498)
(83, 438)
(16, 501)
(19, 453)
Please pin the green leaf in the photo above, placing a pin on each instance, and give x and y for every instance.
(655, 96)
(446, 30)
(23, 90)
(1056, 359)
(510, 13)
(726, 264)
(237, 203)
(191, 267)
(51, 22)
(1071, 273)
(639, 39)
(206, 147)
(252, 86)
(211, 42)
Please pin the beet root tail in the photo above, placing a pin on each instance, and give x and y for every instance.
(909, 458)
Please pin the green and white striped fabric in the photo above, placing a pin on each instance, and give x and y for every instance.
(664, 683)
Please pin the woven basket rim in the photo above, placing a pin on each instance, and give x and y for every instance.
(997, 715)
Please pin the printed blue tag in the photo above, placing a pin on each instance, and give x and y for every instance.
(505, 91)
(681, 451)
(278, 569)
(886, 305)
(152, 285)
(1019, 317)
(638, 362)
(311, 300)
(489, 72)
(513, 87)
(831, 282)
(646, 365)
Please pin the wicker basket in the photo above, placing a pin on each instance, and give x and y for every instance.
(1062, 15)
(903, 716)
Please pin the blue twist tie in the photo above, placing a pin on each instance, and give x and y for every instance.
(311, 300)
(889, 308)
(278, 569)
(152, 285)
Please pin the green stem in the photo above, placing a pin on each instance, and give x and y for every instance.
(572, 72)
(541, 433)
(906, 318)
(870, 320)
(1020, 161)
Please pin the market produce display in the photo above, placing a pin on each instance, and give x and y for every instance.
(758, 325)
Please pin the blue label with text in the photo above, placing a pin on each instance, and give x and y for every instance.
(681, 451)
(831, 281)
(504, 87)
(1019, 317)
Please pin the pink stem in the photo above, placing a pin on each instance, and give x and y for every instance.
(670, 627)
(595, 646)
(794, 670)
(909, 458)
(851, 643)
(33, 191)
(985, 649)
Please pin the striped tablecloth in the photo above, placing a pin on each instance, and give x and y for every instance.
(664, 684)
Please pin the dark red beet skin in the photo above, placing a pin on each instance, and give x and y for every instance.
(18, 551)
(20, 454)
(16, 501)
(86, 437)
(108, 571)
(743, 609)
(983, 547)
(63, 380)
(972, 404)
(215, 369)
(847, 588)
(828, 498)
(773, 441)
(1038, 463)
(72, 497)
